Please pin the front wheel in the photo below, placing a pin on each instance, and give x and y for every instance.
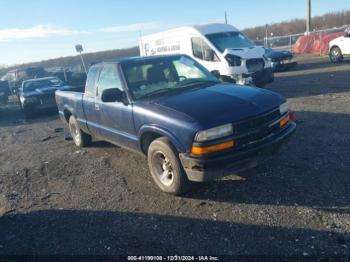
(335, 55)
(80, 138)
(166, 168)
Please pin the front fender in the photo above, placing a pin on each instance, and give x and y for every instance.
(163, 132)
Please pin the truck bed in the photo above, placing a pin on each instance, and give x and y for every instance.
(68, 101)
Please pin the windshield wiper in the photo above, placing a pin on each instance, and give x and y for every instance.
(198, 82)
(156, 92)
(192, 84)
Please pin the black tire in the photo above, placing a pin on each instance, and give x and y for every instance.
(80, 138)
(165, 167)
(335, 55)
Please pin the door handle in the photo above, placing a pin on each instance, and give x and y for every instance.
(97, 107)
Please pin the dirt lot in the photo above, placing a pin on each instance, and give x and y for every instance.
(58, 199)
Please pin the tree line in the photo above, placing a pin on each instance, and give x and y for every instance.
(296, 26)
(71, 61)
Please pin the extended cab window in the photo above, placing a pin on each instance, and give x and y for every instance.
(91, 81)
(199, 47)
(109, 78)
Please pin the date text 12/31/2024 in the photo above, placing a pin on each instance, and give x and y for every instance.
(173, 258)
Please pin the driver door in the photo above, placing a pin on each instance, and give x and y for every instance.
(115, 119)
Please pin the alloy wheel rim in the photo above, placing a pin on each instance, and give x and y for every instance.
(163, 168)
(335, 55)
(75, 133)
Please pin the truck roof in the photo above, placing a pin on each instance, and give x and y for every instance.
(215, 28)
(135, 58)
(202, 29)
(39, 79)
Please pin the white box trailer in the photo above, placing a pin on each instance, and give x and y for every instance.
(221, 48)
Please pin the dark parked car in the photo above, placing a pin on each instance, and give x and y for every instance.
(280, 60)
(15, 77)
(4, 92)
(171, 109)
(39, 93)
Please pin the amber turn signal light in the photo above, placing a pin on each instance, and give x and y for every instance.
(284, 120)
(199, 150)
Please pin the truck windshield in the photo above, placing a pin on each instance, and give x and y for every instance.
(29, 86)
(229, 40)
(154, 76)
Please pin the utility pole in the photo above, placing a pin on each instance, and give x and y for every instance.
(79, 49)
(266, 29)
(225, 17)
(308, 16)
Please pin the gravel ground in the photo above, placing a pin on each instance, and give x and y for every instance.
(58, 199)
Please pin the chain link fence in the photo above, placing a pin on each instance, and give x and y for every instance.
(288, 42)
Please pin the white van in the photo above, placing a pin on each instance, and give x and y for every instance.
(221, 48)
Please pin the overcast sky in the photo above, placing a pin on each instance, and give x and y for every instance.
(34, 30)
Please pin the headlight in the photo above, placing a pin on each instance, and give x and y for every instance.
(284, 108)
(233, 60)
(214, 133)
(267, 58)
(28, 99)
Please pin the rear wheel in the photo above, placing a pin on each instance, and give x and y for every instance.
(335, 55)
(80, 138)
(166, 168)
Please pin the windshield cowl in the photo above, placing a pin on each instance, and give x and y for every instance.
(189, 86)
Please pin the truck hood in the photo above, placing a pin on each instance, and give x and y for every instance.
(246, 52)
(50, 90)
(220, 103)
(278, 55)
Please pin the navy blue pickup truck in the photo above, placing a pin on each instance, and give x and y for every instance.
(191, 126)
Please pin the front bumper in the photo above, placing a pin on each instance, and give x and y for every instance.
(209, 168)
(40, 103)
(283, 65)
(263, 77)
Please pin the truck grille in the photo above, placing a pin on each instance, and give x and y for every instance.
(47, 99)
(257, 129)
(254, 65)
(257, 122)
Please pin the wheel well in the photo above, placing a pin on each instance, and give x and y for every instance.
(333, 46)
(67, 115)
(146, 139)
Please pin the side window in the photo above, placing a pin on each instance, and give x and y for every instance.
(109, 78)
(199, 47)
(91, 81)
